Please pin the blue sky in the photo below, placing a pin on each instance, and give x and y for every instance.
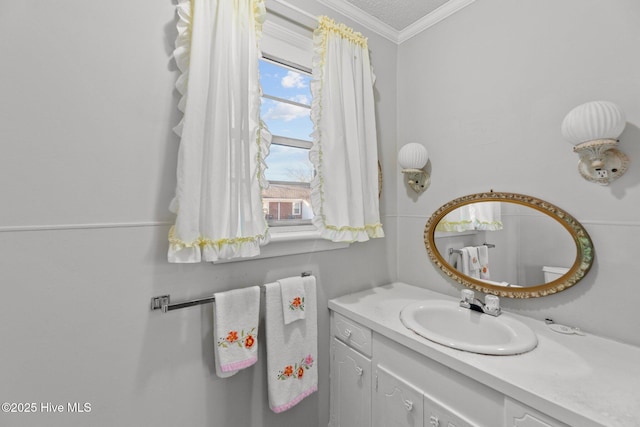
(286, 163)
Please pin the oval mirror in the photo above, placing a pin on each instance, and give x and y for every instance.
(508, 244)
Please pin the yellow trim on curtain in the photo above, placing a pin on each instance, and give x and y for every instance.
(226, 245)
(347, 233)
(203, 241)
(329, 25)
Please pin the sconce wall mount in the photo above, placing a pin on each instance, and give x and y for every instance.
(417, 179)
(413, 158)
(594, 129)
(600, 161)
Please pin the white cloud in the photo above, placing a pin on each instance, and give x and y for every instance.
(293, 80)
(285, 112)
(301, 98)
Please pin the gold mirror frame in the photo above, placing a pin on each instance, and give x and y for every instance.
(584, 246)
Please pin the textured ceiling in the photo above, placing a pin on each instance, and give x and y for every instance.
(398, 14)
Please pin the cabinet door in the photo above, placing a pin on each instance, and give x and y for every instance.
(396, 402)
(436, 414)
(520, 415)
(350, 387)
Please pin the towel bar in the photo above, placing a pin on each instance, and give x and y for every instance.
(458, 251)
(163, 302)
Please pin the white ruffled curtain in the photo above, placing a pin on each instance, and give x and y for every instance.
(482, 216)
(344, 192)
(223, 142)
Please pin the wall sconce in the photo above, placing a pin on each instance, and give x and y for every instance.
(594, 129)
(413, 158)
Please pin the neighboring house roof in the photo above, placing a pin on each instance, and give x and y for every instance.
(287, 190)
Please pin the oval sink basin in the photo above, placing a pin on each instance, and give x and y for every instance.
(448, 324)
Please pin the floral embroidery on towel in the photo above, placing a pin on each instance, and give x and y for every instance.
(246, 340)
(297, 304)
(296, 370)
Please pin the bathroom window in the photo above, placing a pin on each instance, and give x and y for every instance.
(286, 109)
(285, 76)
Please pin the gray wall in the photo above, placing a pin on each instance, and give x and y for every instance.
(486, 91)
(87, 171)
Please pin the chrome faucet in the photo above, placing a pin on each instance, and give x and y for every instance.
(491, 305)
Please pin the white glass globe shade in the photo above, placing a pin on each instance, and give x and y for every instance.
(413, 156)
(593, 120)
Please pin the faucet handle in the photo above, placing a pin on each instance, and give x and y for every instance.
(467, 295)
(492, 303)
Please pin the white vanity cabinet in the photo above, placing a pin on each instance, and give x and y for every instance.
(376, 382)
(411, 390)
(400, 403)
(384, 375)
(350, 373)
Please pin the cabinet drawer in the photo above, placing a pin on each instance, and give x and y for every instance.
(351, 333)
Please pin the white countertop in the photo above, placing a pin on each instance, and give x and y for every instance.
(580, 380)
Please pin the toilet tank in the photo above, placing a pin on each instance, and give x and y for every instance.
(552, 273)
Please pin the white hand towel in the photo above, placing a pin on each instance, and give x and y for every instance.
(463, 265)
(293, 298)
(292, 350)
(474, 263)
(483, 258)
(235, 329)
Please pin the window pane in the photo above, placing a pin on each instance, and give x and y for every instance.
(288, 164)
(285, 83)
(287, 201)
(287, 120)
(284, 119)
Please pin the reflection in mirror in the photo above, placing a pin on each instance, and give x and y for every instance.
(508, 244)
(520, 245)
(482, 216)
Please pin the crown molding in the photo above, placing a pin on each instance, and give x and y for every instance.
(374, 24)
(358, 15)
(441, 13)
